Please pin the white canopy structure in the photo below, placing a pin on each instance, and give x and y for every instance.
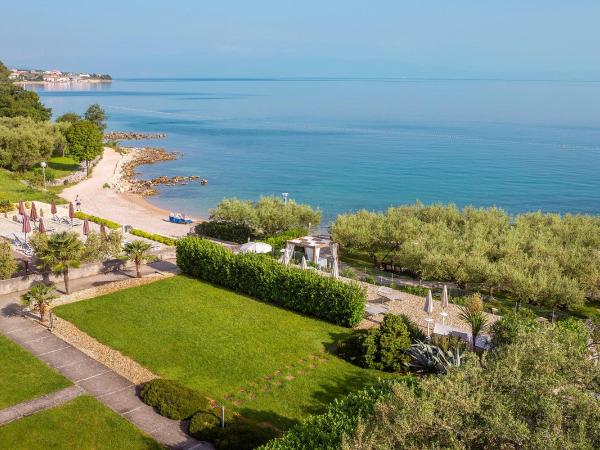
(255, 247)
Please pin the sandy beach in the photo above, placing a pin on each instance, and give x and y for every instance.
(115, 203)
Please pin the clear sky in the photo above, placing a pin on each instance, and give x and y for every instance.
(417, 38)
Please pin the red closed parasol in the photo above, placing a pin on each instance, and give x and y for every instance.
(86, 227)
(102, 230)
(41, 226)
(22, 208)
(34, 214)
(26, 226)
(53, 208)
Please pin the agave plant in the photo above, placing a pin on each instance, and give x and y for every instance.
(428, 358)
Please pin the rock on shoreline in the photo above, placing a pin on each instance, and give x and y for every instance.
(144, 156)
(132, 136)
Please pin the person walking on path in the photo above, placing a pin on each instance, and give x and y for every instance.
(78, 203)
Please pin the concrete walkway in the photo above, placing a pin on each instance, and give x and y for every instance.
(90, 376)
(39, 404)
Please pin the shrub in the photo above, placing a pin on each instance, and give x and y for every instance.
(368, 279)
(6, 205)
(348, 273)
(427, 358)
(171, 399)
(279, 241)
(380, 348)
(512, 325)
(153, 237)
(264, 278)
(98, 220)
(328, 430)
(414, 290)
(415, 333)
(225, 231)
(204, 425)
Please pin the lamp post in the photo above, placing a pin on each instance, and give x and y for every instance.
(43, 164)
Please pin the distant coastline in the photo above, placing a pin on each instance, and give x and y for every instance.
(29, 83)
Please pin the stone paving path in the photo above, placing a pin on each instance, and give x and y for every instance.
(39, 404)
(92, 377)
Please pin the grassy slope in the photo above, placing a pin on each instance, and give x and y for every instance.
(82, 423)
(13, 189)
(227, 346)
(23, 377)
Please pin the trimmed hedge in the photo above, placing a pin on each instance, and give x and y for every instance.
(262, 277)
(153, 237)
(98, 220)
(172, 400)
(225, 231)
(327, 431)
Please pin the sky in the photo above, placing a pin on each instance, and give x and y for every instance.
(532, 39)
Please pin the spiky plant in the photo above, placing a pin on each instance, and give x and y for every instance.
(39, 298)
(138, 251)
(427, 358)
(477, 321)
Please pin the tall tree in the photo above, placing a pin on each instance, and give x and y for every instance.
(84, 139)
(96, 115)
(16, 101)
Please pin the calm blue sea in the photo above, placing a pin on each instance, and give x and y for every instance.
(346, 144)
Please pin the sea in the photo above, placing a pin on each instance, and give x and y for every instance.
(344, 144)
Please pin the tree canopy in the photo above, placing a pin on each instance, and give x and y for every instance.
(25, 142)
(16, 101)
(269, 216)
(96, 115)
(84, 140)
(536, 392)
(69, 117)
(539, 258)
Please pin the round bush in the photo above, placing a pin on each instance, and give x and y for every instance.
(204, 426)
(172, 400)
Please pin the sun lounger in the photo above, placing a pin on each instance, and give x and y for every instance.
(373, 310)
(178, 220)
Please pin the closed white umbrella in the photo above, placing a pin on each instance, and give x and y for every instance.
(255, 247)
(289, 253)
(303, 264)
(335, 269)
(444, 314)
(428, 309)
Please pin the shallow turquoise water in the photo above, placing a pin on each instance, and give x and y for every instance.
(345, 144)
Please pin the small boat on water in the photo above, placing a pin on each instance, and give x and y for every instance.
(203, 181)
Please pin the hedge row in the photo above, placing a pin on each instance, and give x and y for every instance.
(225, 231)
(153, 237)
(327, 431)
(262, 277)
(98, 220)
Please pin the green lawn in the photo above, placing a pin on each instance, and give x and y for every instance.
(23, 377)
(61, 166)
(259, 359)
(82, 423)
(13, 189)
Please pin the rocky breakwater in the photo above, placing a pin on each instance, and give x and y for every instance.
(132, 136)
(149, 155)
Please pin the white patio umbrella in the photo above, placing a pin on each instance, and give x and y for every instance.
(335, 269)
(428, 309)
(255, 247)
(289, 253)
(444, 314)
(303, 264)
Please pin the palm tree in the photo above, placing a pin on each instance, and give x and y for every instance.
(39, 297)
(138, 251)
(476, 319)
(61, 252)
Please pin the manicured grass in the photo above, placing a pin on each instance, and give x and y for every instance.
(253, 356)
(82, 423)
(23, 377)
(13, 189)
(61, 166)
